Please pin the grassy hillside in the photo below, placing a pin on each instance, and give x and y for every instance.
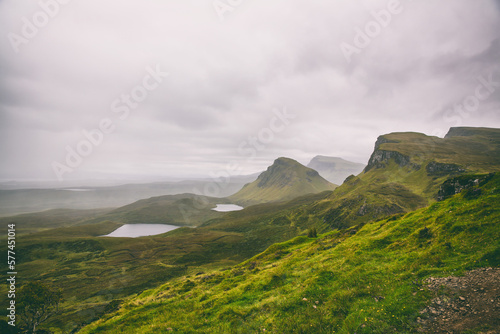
(472, 149)
(96, 273)
(363, 280)
(179, 210)
(395, 182)
(16, 201)
(334, 169)
(406, 171)
(39, 221)
(284, 180)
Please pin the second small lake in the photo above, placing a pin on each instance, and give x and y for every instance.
(227, 207)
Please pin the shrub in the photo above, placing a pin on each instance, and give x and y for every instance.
(312, 233)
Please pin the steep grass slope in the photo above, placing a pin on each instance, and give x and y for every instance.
(406, 171)
(366, 280)
(284, 180)
(396, 182)
(96, 273)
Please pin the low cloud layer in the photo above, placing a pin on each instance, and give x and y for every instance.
(247, 81)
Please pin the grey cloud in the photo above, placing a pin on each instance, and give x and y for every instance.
(226, 77)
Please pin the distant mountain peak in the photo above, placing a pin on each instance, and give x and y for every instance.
(285, 179)
(282, 161)
(335, 169)
(284, 172)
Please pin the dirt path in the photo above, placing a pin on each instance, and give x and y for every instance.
(468, 304)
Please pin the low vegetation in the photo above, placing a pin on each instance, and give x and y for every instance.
(365, 279)
(343, 260)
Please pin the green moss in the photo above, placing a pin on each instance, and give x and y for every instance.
(366, 283)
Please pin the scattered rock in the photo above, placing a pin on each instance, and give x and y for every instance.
(448, 312)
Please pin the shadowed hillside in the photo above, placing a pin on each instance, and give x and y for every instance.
(368, 280)
(180, 210)
(396, 181)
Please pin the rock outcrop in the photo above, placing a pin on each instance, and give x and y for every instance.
(380, 157)
(456, 185)
(440, 169)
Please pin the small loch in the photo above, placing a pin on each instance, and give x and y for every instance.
(227, 208)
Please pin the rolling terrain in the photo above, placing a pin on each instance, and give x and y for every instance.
(105, 270)
(409, 185)
(405, 172)
(96, 273)
(179, 210)
(40, 221)
(18, 201)
(363, 280)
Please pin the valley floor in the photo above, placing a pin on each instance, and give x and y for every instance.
(426, 271)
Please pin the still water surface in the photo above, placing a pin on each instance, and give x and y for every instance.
(140, 230)
(227, 207)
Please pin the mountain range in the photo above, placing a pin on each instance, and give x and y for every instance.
(423, 206)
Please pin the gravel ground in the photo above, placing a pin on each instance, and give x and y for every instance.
(468, 304)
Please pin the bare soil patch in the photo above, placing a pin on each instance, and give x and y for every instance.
(468, 304)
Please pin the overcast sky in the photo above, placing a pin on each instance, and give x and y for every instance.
(232, 67)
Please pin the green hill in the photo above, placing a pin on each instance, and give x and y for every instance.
(334, 169)
(97, 273)
(405, 172)
(18, 201)
(179, 210)
(284, 180)
(462, 149)
(364, 280)
(397, 180)
(49, 219)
